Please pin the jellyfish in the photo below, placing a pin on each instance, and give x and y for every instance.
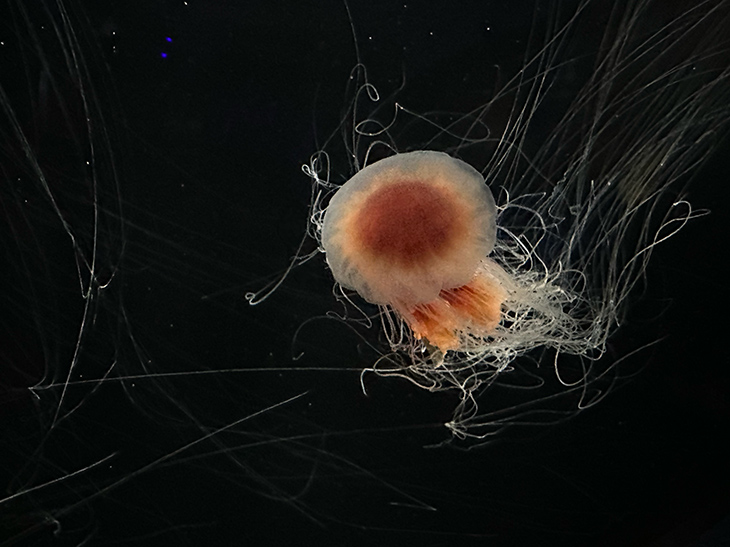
(515, 233)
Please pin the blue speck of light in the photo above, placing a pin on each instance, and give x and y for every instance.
(168, 39)
(163, 55)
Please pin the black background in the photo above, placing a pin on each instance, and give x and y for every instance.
(182, 390)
